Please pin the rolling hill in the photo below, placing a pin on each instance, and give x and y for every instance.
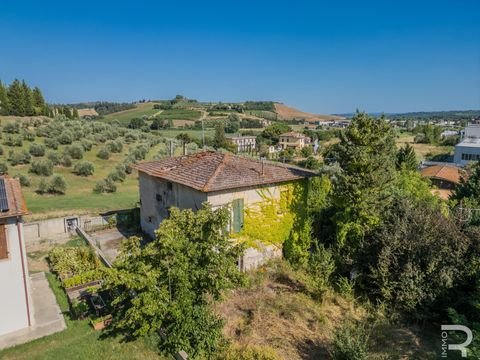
(285, 112)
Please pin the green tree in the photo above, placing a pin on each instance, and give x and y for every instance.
(168, 284)
(272, 132)
(219, 139)
(28, 100)
(469, 187)
(4, 108)
(57, 185)
(16, 98)
(185, 139)
(38, 100)
(75, 114)
(413, 259)
(233, 124)
(362, 189)
(406, 158)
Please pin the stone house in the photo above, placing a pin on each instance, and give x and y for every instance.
(16, 302)
(263, 198)
(293, 140)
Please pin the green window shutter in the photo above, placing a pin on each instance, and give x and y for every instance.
(237, 206)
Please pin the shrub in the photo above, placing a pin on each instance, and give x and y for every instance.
(13, 141)
(42, 167)
(3, 168)
(65, 138)
(1, 150)
(11, 128)
(54, 157)
(66, 161)
(321, 266)
(114, 146)
(24, 180)
(17, 158)
(42, 186)
(117, 174)
(28, 135)
(103, 154)
(350, 342)
(87, 145)
(57, 185)
(105, 186)
(75, 151)
(51, 143)
(37, 150)
(84, 168)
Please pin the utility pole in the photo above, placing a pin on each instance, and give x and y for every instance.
(203, 135)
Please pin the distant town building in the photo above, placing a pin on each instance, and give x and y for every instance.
(293, 140)
(469, 148)
(244, 143)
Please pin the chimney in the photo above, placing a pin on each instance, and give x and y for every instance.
(263, 163)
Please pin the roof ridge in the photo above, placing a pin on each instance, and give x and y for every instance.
(222, 164)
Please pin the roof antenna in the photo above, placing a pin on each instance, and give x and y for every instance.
(263, 162)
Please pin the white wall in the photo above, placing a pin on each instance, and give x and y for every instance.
(459, 150)
(153, 211)
(13, 307)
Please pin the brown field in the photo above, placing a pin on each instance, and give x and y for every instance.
(288, 113)
(277, 311)
(87, 112)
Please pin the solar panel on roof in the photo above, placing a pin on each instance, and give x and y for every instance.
(3, 197)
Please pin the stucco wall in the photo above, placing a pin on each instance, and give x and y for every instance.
(13, 308)
(250, 195)
(153, 210)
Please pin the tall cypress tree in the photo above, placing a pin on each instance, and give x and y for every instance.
(75, 113)
(16, 98)
(28, 96)
(38, 100)
(3, 100)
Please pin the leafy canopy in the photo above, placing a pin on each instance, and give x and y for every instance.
(168, 284)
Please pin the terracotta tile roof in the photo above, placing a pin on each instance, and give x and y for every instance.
(213, 171)
(16, 202)
(293, 134)
(442, 172)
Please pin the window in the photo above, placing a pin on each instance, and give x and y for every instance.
(169, 185)
(3, 243)
(159, 197)
(237, 215)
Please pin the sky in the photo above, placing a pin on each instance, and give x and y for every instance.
(319, 56)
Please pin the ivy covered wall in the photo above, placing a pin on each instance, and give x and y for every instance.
(279, 220)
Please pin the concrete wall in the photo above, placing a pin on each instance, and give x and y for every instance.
(56, 229)
(13, 304)
(157, 196)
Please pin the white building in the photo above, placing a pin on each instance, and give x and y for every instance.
(15, 302)
(244, 143)
(187, 182)
(469, 148)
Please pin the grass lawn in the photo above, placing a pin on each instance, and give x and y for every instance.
(424, 150)
(79, 341)
(179, 114)
(195, 134)
(144, 109)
